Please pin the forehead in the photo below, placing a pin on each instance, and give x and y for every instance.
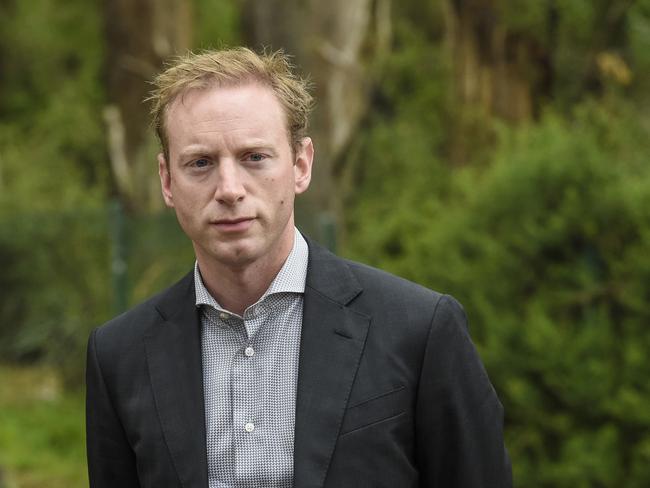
(250, 105)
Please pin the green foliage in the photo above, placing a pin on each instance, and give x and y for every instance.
(217, 23)
(397, 158)
(41, 431)
(158, 254)
(51, 53)
(52, 156)
(572, 34)
(639, 42)
(547, 248)
(530, 18)
(51, 136)
(55, 271)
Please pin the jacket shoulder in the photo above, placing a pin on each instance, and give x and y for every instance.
(378, 281)
(400, 301)
(370, 290)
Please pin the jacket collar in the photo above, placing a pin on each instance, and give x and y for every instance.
(173, 349)
(330, 275)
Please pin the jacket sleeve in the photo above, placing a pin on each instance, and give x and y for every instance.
(111, 461)
(459, 419)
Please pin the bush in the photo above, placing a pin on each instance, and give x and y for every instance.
(58, 281)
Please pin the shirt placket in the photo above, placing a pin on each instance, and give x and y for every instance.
(247, 421)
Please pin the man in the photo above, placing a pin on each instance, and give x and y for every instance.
(274, 363)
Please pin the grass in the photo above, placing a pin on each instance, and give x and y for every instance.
(41, 431)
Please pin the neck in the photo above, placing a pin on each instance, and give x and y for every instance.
(237, 288)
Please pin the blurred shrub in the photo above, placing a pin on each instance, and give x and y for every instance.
(57, 279)
(548, 250)
(41, 431)
(55, 284)
(53, 180)
(158, 254)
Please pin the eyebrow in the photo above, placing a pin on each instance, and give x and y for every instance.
(193, 150)
(258, 144)
(252, 144)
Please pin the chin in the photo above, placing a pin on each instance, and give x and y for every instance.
(235, 255)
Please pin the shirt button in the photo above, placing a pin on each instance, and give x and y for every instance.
(249, 351)
(224, 316)
(249, 427)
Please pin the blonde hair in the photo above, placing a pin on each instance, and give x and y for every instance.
(228, 67)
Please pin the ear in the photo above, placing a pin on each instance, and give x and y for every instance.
(302, 165)
(165, 180)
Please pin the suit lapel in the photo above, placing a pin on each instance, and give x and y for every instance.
(173, 350)
(333, 337)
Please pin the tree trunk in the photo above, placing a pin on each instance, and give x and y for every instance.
(140, 35)
(496, 72)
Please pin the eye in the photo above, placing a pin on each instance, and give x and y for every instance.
(255, 157)
(201, 163)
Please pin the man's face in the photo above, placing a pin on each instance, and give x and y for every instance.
(232, 173)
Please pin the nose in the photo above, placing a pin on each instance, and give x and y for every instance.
(230, 188)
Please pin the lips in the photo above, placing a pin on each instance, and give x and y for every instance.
(232, 221)
(239, 224)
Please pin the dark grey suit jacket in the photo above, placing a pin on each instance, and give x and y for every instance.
(391, 392)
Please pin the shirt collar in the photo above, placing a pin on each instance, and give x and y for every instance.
(290, 279)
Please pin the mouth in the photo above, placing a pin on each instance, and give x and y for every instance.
(239, 224)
